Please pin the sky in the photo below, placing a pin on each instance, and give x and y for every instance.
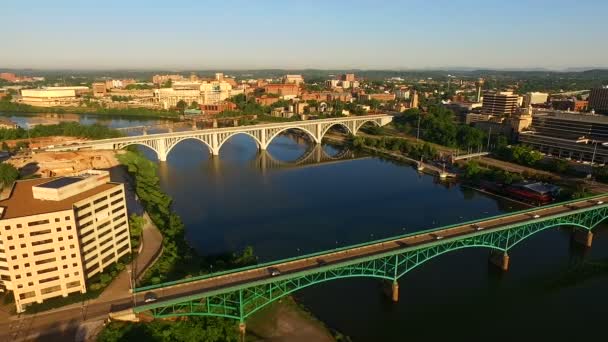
(290, 34)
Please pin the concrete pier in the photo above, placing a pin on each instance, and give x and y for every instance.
(242, 331)
(584, 237)
(395, 292)
(500, 259)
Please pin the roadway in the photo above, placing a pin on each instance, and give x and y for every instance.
(346, 255)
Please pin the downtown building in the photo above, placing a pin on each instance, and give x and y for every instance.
(55, 234)
(598, 100)
(568, 135)
(502, 104)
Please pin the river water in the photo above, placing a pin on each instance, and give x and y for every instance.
(284, 207)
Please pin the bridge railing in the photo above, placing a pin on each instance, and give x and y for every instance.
(363, 244)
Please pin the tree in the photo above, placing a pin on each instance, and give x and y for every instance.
(193, 105)
(167, 84)
(5, 146)
(181, 106)
(8, 174)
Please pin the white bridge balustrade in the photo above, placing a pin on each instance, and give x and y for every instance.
(263, 135)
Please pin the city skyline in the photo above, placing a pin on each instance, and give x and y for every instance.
(313, 35)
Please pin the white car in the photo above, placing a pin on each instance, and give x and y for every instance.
(477, 227)
(150, 297)
(599, 202)
(536, 216)
(274, 271)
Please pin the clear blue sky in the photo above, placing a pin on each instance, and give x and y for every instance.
(233, 34)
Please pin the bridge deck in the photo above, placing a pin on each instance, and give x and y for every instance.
(348, 255)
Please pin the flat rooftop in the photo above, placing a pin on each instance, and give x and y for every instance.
(22, 202)
(60, 182)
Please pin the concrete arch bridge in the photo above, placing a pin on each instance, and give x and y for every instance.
(263, 134)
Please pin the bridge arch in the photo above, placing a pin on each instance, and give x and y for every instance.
(259, 306)
(137, 143)
(232, 135)
(270, 138)
(434, 255)
(360, 124)
(177, 142)
(338, 124)
(520, 239)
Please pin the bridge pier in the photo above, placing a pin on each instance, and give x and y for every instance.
(395, 292)
(584, 237)
(242, 330)
(500, 259)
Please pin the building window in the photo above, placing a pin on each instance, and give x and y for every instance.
(67, 218)
(100, 199)
(40, 232)
(58, 229)
(16, 267)
(37, 223)
(46, 280)
(60, 238)
(14, 257)
(57, 219)
(45, 261)
(18, 225)
(47, 270)
(63, 257)
(42, 242)
(69, 227)
(45, 251)
(116, 193)
(62, 248)
(25, 255)
(7, 227)
(21, 236)
(9, 237)
(27, 264)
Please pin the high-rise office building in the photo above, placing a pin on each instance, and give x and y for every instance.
(57, 233)
(598, 99)
(499, 103)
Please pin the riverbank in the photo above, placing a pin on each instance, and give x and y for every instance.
(126, 112)
(288, 321)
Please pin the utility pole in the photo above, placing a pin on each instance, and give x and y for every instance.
(489, 135)
(418, 130)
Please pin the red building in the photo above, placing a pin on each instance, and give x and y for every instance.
(282, 89)
(8, 76)
(213, 109)
(266, 100)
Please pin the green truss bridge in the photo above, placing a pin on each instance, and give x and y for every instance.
(238, 294)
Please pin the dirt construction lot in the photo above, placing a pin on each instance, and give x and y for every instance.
(51, 164)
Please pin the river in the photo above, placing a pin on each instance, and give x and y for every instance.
(284, 209)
